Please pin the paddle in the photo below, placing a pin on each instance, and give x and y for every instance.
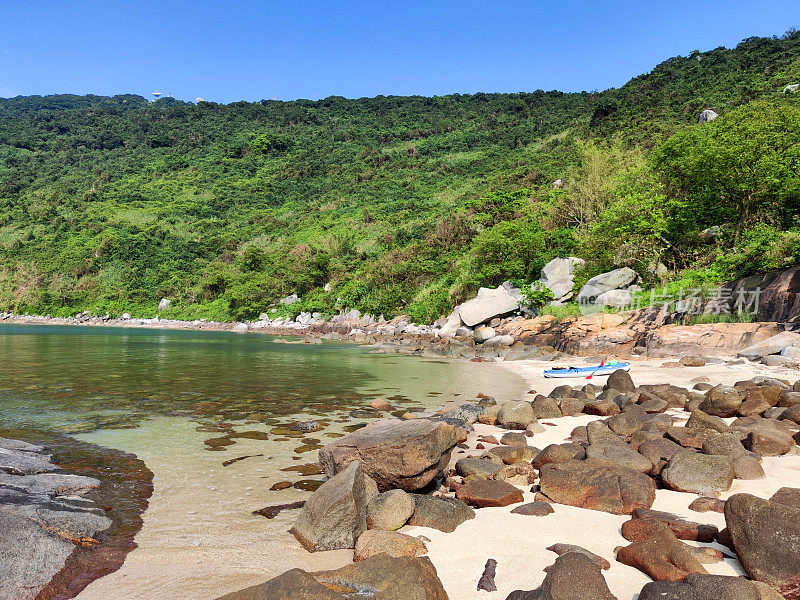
(600, 366)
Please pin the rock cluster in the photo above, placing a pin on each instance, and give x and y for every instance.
(43, 518)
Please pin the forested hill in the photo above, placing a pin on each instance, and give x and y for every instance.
(402, 204)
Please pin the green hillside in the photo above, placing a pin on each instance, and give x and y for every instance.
(403, 204)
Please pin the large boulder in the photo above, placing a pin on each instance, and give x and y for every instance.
(597, 485)
(698, 473)
(722, 401)
(516, 414)
(574, 576)
(395, 453)
(489, 303)
(557, 276)
(381, 577)
(771, 345)
(765, 536)
(707, 116)
(336, 514)
(605, 282)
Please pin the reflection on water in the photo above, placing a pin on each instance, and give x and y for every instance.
(74, 379)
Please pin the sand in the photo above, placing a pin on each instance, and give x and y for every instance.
(519, 543)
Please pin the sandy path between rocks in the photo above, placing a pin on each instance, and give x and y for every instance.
(519, 543)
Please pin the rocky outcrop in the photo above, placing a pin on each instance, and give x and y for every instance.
(395, 454)
(336, 514)
(558, 277)
(772, 345)
(44, 517)
(591, 293)
(775, 292)
(381, 577)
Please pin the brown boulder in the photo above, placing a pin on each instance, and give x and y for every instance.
(661, 556)
(765, 536)
(373, 542)
(482, 493)
(722, 401)
(574, 576)
(396, 454)
(698, 473)
(683, 529)
(386, 577)
(597, 485)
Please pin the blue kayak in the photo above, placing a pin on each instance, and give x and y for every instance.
(596, 371)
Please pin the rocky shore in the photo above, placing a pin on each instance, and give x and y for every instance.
(61, 529)
(683, 488)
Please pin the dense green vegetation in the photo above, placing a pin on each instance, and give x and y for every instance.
(403, 204)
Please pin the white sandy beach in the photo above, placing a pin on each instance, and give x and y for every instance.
(519, 543)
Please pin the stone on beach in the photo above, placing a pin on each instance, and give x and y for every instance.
(596, 485)
(386, 578)
(515, 415)
(336, 514)
(395, 453)
(698, 473)
(390, 510)
(661, 556)
(444, 514)
(765, 535)
(482, 493)
(373, 542)
(574, 576)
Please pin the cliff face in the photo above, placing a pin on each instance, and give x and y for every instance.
(777, 293)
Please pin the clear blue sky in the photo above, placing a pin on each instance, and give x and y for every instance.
(247, 50)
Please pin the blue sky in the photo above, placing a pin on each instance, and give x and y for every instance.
(247, 50)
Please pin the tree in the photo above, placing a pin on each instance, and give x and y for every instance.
(744, 165)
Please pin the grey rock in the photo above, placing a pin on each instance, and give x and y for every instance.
(336, 514)
(390, 510)
(771, 345)
(707, 116)
(488, 304)
(444, 514)
(515, 415)
(613, 280)
(698, 473)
